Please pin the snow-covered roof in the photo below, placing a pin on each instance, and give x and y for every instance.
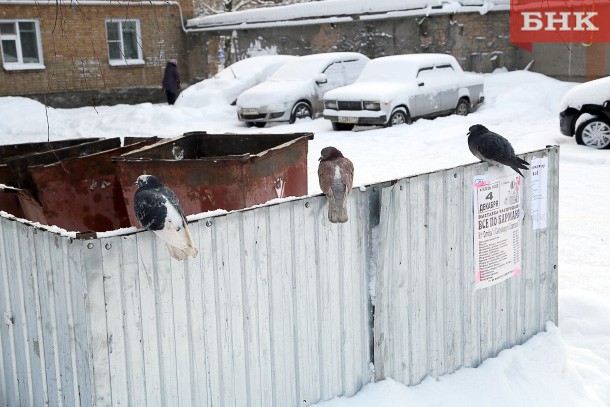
(328, 11)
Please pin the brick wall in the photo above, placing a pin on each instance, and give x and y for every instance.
(480, 42)
(75, 51)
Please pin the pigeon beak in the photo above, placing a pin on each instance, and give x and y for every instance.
(320, 159)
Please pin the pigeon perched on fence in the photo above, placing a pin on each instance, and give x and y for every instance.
(335, 174)
(493, 148)
(158, 210)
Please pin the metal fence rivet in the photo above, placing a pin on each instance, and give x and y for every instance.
(374, 188)
(401, 187)
(307, 204)
(90, 245)
(208, 223)
(455, 175)
(108, 246)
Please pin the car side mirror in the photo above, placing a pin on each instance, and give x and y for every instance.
(321, 78)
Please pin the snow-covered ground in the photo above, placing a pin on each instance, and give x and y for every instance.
(568, 365)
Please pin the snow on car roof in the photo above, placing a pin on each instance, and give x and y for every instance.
(595, 92)
(308, 65)
(402, 65)
(252, 66)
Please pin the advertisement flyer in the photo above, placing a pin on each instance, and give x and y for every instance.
(497, 228)
(538, 169)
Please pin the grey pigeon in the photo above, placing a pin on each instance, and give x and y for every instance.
(493, 148)
(158, 210)
(336, 174)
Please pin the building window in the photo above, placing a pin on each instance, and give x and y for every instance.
(21, 45)
(124, 42)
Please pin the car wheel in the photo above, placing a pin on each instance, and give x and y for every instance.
(301, 110)
(399, 116)
(594, 133)
(463, 107)
(260, 125)
(342, 126)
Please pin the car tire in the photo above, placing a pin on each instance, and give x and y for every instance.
(301, 110)
(260, 125)
(463, 107)
(594, 133)
(342, 126)
(399, 116)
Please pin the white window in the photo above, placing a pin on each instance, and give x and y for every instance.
(124, 42)
(20, 44)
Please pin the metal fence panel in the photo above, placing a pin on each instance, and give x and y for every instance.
(275, 310)
(429, 320)
(43, 334)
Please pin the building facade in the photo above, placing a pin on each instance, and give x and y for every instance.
(102, 52)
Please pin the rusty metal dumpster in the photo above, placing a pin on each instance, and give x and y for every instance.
(10, 195)
(76, 187)
(220, 171)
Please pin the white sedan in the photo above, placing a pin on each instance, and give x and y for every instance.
(397, 89)
(297, 89)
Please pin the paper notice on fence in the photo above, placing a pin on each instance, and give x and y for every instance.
(538, 170)
(497, 228)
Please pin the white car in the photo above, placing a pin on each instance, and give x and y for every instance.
(585, 113)
(227, 84)
(297, 89)
(397, 89)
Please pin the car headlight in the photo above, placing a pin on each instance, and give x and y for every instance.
(330, 104)
(368, 105)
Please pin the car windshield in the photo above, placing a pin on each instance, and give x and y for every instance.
(236, 70)
(387, 71)
(299, 70)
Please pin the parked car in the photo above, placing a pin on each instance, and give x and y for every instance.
(585, 113)
(297, 89)
(227, 84)
(397, 89)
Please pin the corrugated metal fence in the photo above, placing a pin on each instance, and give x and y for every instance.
(429, 319)
(275, 310)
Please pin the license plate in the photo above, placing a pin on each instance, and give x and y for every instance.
(348, 120)
(249, 111)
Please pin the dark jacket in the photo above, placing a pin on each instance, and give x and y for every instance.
(171, 79)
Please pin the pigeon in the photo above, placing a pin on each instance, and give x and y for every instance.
(493, 148)
(158, 210)
(335, 174)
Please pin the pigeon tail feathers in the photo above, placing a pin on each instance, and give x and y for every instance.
(180, 254)
(522, 161)
(519, 163)
(337, 210)
(517, 170)
(179, 242)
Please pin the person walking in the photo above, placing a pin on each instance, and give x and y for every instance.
(171, 81)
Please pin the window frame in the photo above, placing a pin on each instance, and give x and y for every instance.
(124, 61)
(20, 65)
